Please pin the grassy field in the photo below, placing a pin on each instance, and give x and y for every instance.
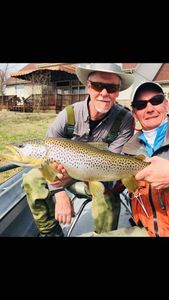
(16, 127)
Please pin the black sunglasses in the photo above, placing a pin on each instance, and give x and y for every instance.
(155, 100)
(99, 86)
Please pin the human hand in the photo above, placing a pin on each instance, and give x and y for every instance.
(62, 179)
(64, 210)
(157, 173)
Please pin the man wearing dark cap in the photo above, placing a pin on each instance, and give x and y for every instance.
(150, 201)
(93, 120)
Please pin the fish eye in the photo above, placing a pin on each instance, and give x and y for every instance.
(20, 145)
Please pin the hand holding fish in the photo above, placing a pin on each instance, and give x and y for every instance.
(62, 178)
(64, 210)
(157, 173)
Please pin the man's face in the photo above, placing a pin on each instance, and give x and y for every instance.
(151, 116)
(102, 99)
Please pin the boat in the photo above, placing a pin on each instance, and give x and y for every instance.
(16, 219)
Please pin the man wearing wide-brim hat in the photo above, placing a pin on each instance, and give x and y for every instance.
(93, 121)
(84, 70)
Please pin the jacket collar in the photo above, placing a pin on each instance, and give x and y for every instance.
(134, 146)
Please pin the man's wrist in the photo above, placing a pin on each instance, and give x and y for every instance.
(59, 190)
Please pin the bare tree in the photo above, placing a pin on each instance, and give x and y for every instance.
(3, 77)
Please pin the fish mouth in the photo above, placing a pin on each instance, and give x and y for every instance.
(15, 156)
(11, 153)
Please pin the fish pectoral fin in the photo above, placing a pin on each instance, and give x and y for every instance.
(130, 183)
(48, 172)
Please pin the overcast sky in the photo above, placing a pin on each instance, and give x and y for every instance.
(12, 67)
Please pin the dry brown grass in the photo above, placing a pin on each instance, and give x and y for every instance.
(17, 127)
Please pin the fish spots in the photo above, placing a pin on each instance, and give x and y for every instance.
(82, 161)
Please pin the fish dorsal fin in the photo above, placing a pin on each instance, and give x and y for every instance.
(99, 145)
(140, 156)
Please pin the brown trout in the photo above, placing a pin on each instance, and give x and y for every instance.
(83, 161)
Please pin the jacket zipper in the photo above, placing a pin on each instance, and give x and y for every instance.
(154, 212)
(161, 201)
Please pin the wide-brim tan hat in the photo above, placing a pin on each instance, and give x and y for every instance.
(83, 71)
